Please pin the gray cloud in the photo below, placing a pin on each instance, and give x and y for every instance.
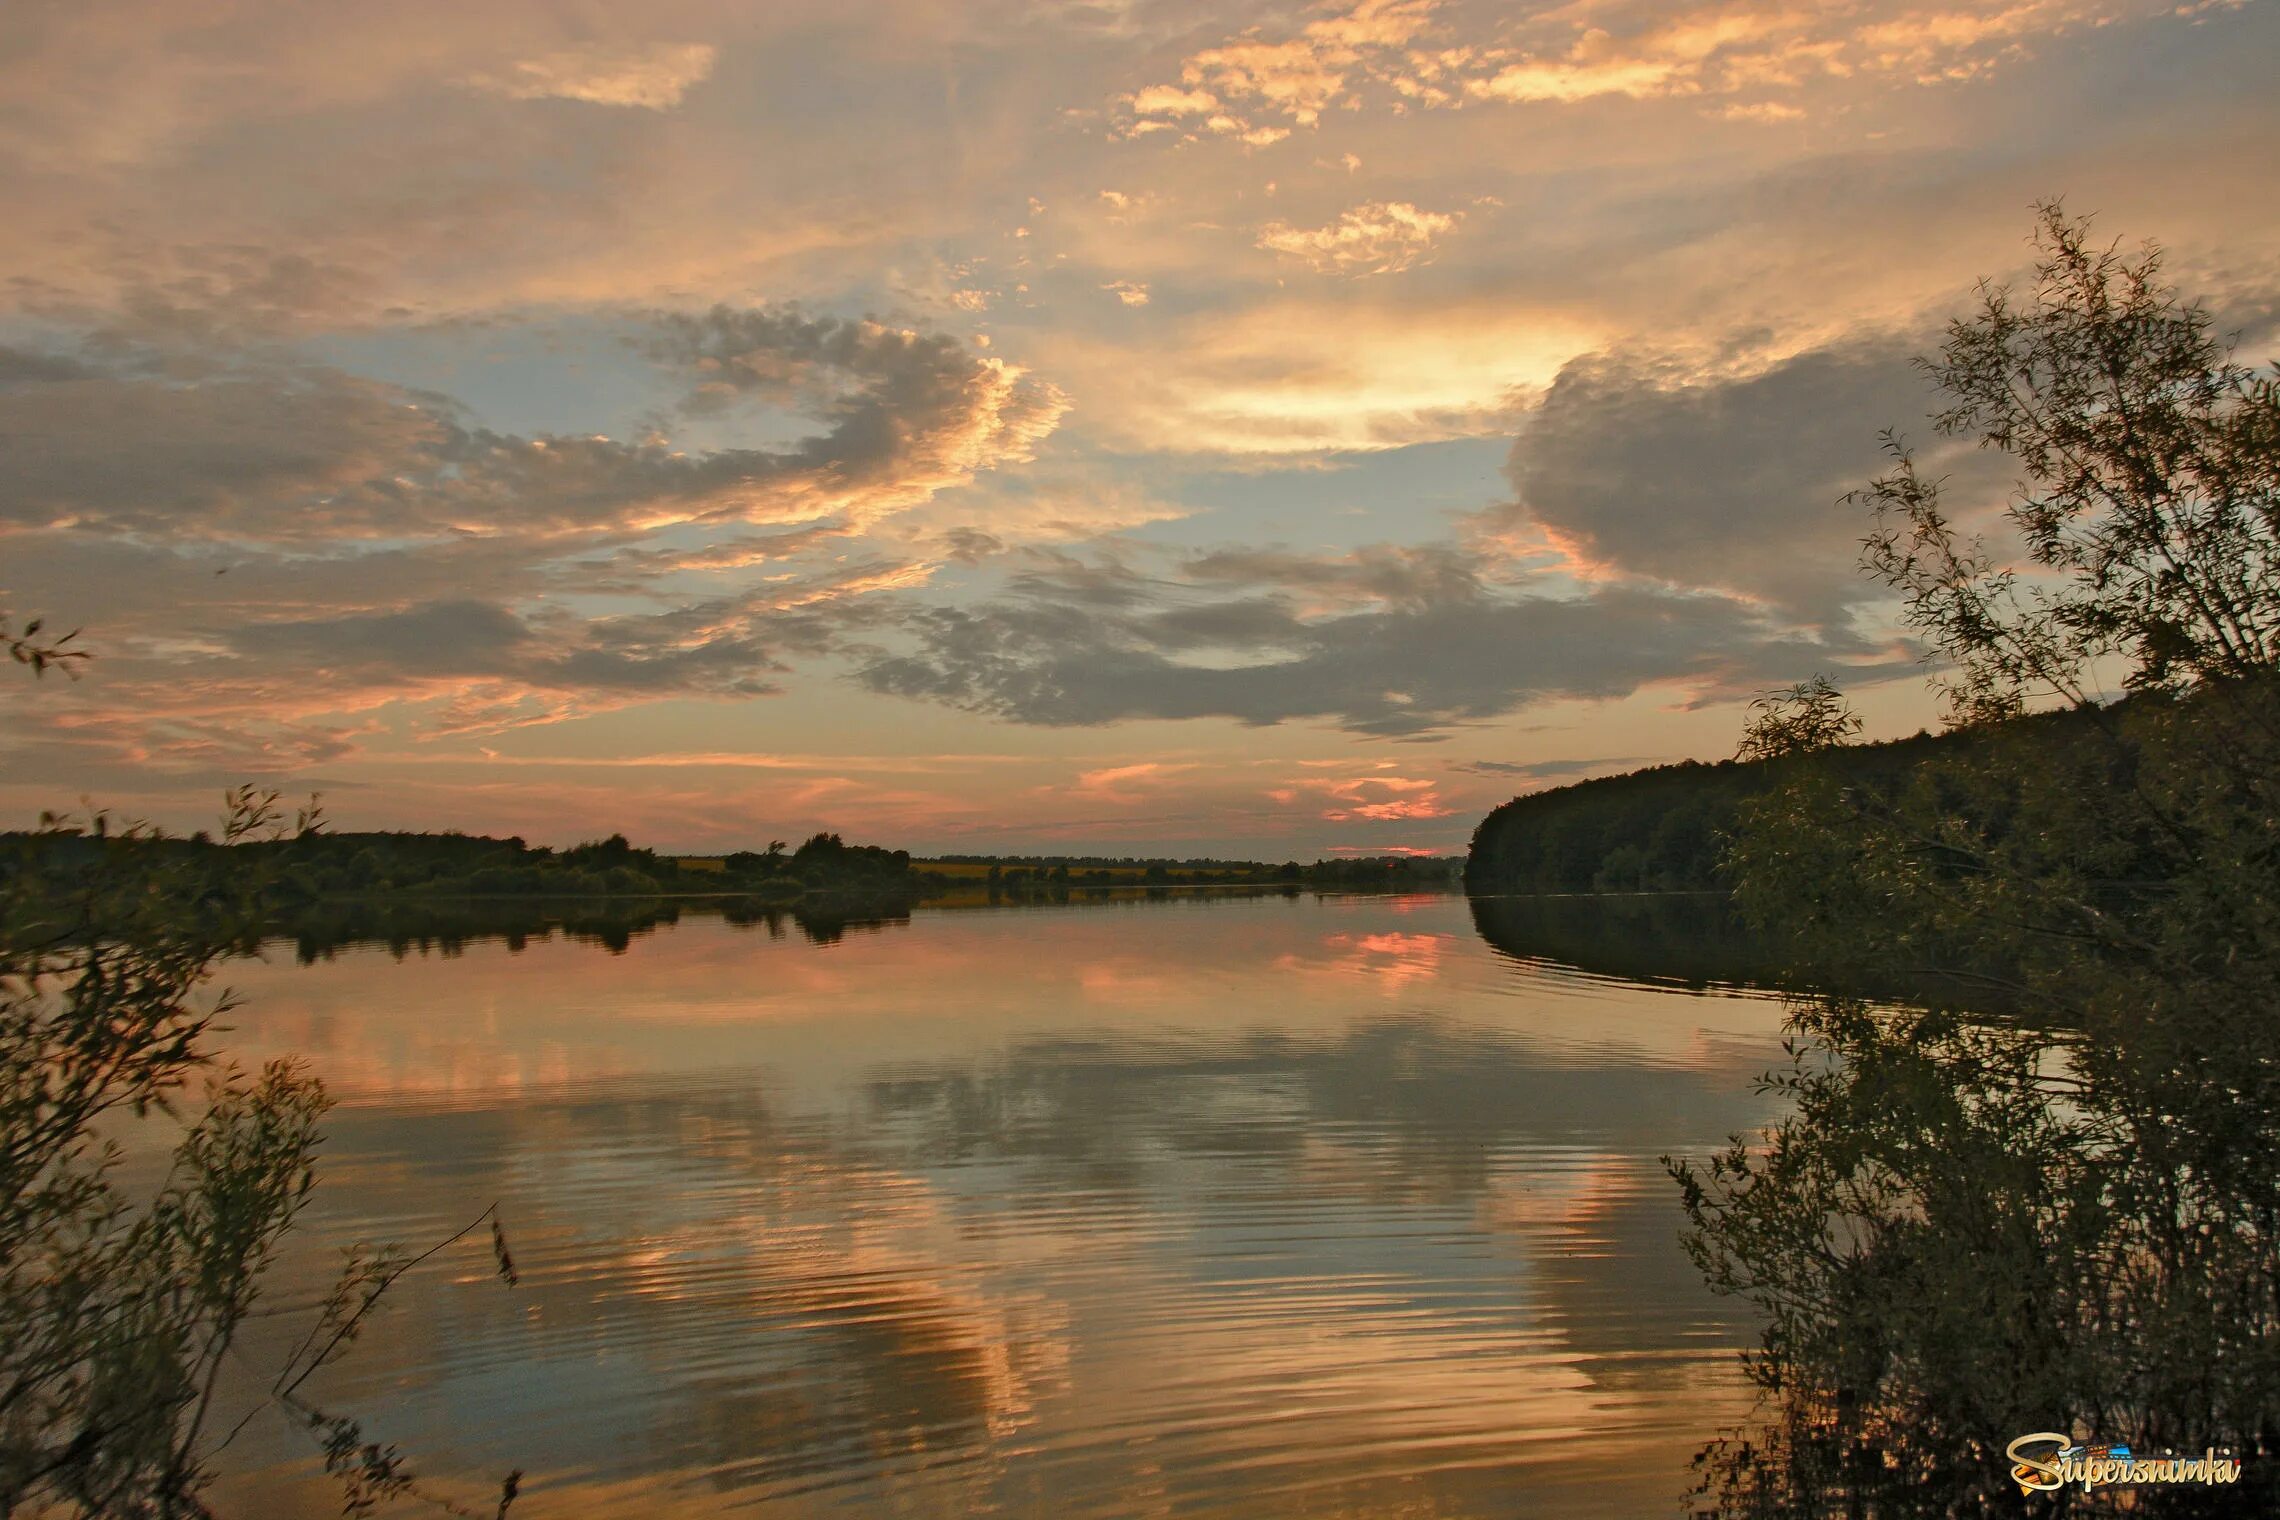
(292, 453)
(1728, 484)
(718, 648)
(19, 366)
(224, 682)
(284, 455)
(262, 549)
(1079, 644)
(229, 294)
(437, 639)
(1412, 576)
(1545, 768)
(886, 393)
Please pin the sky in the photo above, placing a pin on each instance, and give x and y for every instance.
(1244, 429)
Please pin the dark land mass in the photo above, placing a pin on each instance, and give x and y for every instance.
(411, 878)
(325, 890)
(1017, 876)
(1664, 829)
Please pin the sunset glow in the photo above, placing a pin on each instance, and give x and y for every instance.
(1262, 430)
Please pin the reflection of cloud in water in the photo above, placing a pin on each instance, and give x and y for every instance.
(1126, 980)
(1387, 1261)
(1392, 959)
(707, 1291)
(708, 995)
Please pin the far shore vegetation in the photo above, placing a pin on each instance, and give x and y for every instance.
(320, 867)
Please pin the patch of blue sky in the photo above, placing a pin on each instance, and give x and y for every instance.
(566, 376)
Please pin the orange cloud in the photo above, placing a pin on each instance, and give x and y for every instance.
(1378, 237)
(1377, 798)
(1592, 49)
(652, 78)
(1126, 784)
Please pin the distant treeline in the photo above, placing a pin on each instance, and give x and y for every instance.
(1099, 862)
(1028, 874)
(302, 874)
(319, 867)
(1663, 829)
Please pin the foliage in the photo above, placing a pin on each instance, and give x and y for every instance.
(1971, 1227)
(1385, 872)
(2151, 483)
(826, 858)
(113, 1319)
(1662, 829)
(1650, 830)
(117, 1315)
(303, 871)
(1954, 1243)
(26, 647)
(1798, 719)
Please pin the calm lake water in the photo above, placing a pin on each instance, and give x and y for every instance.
(1259, 1207)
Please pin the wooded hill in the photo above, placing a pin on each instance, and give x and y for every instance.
(1662, 829)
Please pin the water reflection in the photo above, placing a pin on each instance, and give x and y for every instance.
(1269, 1207)
(1689, 939)
(448, 926)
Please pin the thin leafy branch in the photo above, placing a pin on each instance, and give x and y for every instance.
(117, 1313)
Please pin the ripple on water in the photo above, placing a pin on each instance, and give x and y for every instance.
(1402, 1248)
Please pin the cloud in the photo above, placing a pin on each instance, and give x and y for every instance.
(1363, 364)
(1301, 76)
(1631, 49)
(288, 658)
(1768, 111)
(191, 301)
(1295, 78)
(1043, 504)
(910, 413)
(287, 547)
(25, 367)
(1171, 100)
(1541, 771)
(653, 77)
(1377, 798)
(1377, 237)
(1127, 785)
(1593, 67)
(297, 453)
(1412, 577)
(1086, 642)
(715, 646)
(379, 343)
(1633, 468)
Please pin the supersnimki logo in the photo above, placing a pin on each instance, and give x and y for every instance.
(2047, 1460)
